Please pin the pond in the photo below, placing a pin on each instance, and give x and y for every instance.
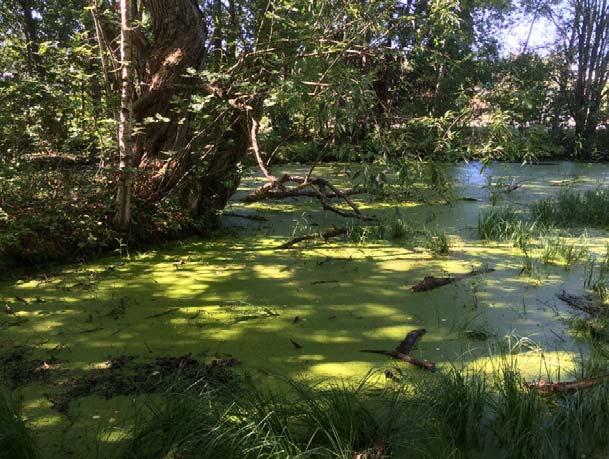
(307, 312)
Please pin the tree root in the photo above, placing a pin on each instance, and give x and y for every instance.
(432, 282)
(334, 232)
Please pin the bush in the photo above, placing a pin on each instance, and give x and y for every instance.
(58, 213)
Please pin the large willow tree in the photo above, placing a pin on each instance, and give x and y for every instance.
(169, 39)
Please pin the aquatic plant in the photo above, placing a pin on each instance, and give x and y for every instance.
(529, 262)
(597, 276)
(436, 241)
(400, 230)
(557, 247)
(572, 254)
(505, 224)
(549, 242)
(574, 208)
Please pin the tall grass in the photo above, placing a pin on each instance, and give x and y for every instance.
(301, 422)
(575, 208)
(15, 439)
(400, 230)
(519, 423)
(454, 414)
(597, 276)
(505, 224)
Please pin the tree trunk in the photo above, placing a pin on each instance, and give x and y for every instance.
(123, 198)
(31, 35)
(164, 152)
(178, 44)
(589, 44)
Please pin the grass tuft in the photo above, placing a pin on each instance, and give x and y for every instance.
(15, 439)
(505, 224)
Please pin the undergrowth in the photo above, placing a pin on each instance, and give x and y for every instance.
(50, 213)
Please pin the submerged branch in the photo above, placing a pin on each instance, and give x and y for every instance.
(432, 282)
(316, 187)
(422, 364)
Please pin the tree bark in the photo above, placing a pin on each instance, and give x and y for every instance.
(178, 44)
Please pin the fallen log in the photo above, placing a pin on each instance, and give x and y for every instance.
(584, 304)
(325, 236)
(402, 351)
(512, 187)
(546, 388)
(432, 282)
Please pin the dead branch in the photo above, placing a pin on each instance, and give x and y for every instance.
(402, 351)
(512, 187)
(432, 282)
(582, 303)
(411, 339)
(334, 232)
(297, 193)
(254, 127)
(308, 186)
(546, 388)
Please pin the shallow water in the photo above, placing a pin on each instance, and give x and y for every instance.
(335, 299)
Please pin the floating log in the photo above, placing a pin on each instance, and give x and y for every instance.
(582, 303)
(432, 282)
